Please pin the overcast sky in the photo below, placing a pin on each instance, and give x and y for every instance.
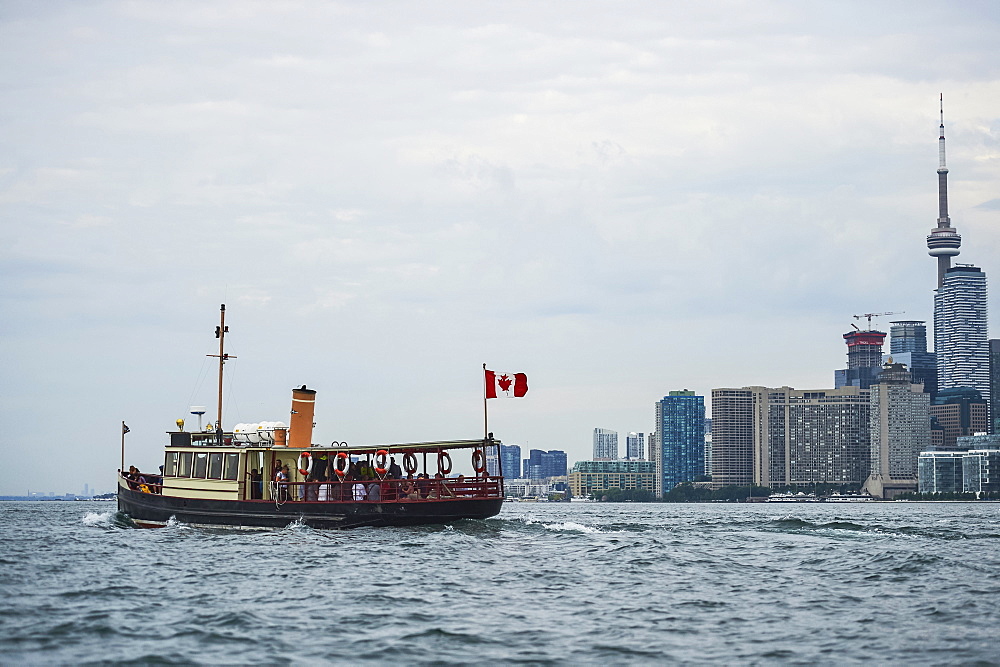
(617, 198)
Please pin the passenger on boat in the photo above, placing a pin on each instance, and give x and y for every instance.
(408, 489)
(440, 489)
(256, 485)
(395, 472)
(282, 479)
(423, 484)
(359, 491)
(375, 491)
(319, 468)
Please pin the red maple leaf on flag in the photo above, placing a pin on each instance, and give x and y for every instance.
(504, 381)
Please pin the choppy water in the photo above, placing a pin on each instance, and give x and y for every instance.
(541, 583)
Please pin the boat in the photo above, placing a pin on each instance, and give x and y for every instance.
(268, 475)
(799, 497)
(849, 498)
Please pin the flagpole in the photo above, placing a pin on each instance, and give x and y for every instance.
(123, 448)
(486, 417)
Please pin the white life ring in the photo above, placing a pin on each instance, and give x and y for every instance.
(305, 467)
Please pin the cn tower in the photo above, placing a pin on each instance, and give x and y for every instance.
(943, 242)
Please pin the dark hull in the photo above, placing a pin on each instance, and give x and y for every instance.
(153, 510)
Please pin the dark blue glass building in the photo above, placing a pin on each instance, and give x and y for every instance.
(680, 426)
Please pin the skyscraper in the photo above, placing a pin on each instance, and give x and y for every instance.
(635, 446)
(995, 386)
(680, 428)
(605, 444)
(900, 430)
(943, 242)
(960, 330)
(732, 437)
(908, 346)
(510, 458)
(542, 465)
(864, 360)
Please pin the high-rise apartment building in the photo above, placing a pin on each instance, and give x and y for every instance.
(908, 346)
(812, 436)
(959, 412)
(995, 386)
(780, 436)
(680, 428)
(864, 359)
(961, 343)
(635, 446)
(900, 430)
(605, 444)
(732, 437)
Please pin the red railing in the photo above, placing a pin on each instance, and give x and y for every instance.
(389, 490)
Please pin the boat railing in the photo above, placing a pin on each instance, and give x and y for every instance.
(386, 490)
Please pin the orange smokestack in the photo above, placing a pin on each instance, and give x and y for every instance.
(300, 429)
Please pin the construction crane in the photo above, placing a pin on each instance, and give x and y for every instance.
(869, 317)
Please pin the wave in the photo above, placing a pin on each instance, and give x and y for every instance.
(109, 519)
(796, 524)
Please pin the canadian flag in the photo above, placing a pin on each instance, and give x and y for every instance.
(508, 385)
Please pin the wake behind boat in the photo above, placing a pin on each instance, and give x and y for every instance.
(268, 475)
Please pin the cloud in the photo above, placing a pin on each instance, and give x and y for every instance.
(656, 195)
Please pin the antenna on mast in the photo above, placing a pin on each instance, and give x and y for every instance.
(220, 333)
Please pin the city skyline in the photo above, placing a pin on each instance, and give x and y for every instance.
(617, 203)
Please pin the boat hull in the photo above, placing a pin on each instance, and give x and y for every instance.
(149, 510)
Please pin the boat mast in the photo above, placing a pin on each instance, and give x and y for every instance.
(220, 333)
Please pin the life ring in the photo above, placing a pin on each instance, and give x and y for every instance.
(478, 461)
(381, 462)
(305, 466)
(343, 464)
(444, 462)
(410, 463)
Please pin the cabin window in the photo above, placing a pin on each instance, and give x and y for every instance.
(184, 465)
(232, 466)
(200, 465)
(170, 465)
(215, 465)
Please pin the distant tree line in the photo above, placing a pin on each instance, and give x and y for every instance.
(958, 495)
(682, 493)
(687, 492)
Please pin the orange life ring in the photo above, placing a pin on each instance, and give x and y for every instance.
(478, 461)
(381, 461)
(343, 464)
(444, 459)
(410, 463)
(305, 467)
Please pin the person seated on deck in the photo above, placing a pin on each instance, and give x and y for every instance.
(375, 491)
(408, 489)
(460, 488)
(440, 489)
(423, 485)
(359, 491)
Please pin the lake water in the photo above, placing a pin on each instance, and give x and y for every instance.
(541, 583)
